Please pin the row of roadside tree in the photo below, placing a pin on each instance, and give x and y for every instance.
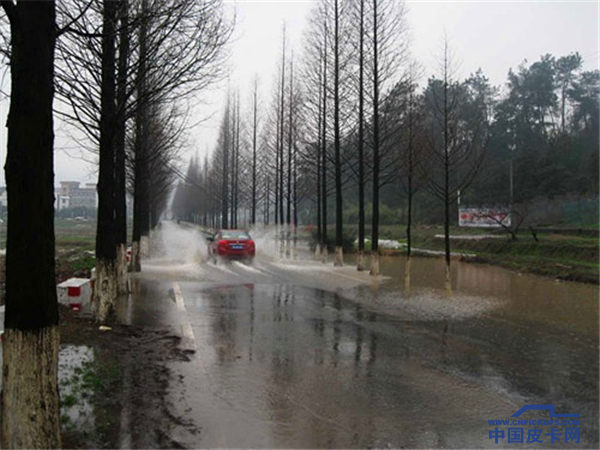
(353, 124)
(125, 74)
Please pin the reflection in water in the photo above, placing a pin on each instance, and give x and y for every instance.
(324, 370)
(75, 367)
(566, 305)
(252, 320)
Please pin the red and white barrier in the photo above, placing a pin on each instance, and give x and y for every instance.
(76, 293)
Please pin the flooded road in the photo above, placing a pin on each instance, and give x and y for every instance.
(293, 353)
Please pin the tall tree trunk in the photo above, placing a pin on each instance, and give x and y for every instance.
(281, 119)
(407, 267)
(267, 201)
(376, 162)
(324, 244)
(295, 201)
(140, 187)
(120, 131)
(319, 240)
(339, 252)
(448, 282)
(30, 405)
(289, 145)
(289, 158)
(254, 130)
(360, 262)
(237, 168)
(234, 162)
(276, 196)
(225, 173)
(105, 292)
(237, 163)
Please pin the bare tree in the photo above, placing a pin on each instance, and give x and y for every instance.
(456, 136)
(411, 155)
(388, 47)
(120, 195)
(106, 248)
(254, 148)
(360, 260)
(168, 52)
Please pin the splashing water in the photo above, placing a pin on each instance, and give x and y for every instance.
(276, 244)
(178, 249)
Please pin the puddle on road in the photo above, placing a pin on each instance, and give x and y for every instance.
(290, 366)
(297, 366)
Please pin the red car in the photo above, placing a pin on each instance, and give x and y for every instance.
(231, 244)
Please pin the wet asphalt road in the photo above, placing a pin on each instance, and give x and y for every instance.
(297, 354)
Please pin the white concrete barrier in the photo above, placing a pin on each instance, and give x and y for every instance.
(76, 293)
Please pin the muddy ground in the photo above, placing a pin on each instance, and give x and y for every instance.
(116, 397)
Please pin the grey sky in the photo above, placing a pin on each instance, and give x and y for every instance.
(493, 35)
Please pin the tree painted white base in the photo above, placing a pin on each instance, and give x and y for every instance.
(324, 254)
(338, 260)
(374, 264)
(122, 274)
(144, 246)
(136, 257)
(105, 290)
(360, 260)
(407, 276)
(30, 402)
(448, 281)
(318, 251)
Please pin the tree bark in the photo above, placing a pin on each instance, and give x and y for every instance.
(281, 125)
(289, 147)
(105, 294)
(254, 131)
(376, 162)
(448, 281)
(360, 264)
(140, 188)
(324, 243)
(120, 132)
(319, 240)
(339, 211)
(225, 172)
(410, 194)
(30, 406)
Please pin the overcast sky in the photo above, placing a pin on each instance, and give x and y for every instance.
(493, 35)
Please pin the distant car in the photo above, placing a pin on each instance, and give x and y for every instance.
(231, 244)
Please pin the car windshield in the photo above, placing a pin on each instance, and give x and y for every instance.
(234, 235)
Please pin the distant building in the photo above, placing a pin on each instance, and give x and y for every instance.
(68, 195)
(61, 201)
(3, 197)
(71, 195)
